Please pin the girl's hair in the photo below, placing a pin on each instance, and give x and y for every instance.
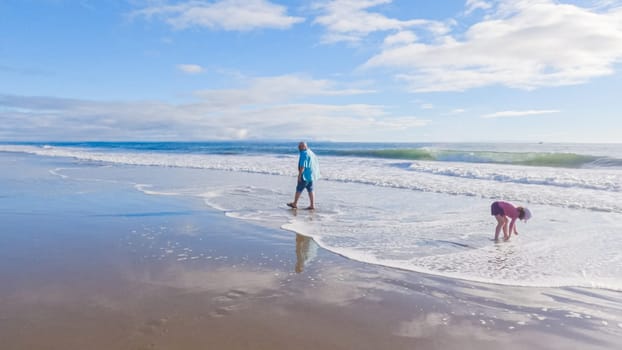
(521, 213)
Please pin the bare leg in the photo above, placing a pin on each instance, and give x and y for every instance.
(500, 224)
(506, 236)
(311, 200)
(294, 204)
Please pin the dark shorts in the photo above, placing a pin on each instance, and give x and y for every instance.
(495, 209)
(304, 184)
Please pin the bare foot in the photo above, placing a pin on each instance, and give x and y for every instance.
(292, 205)
(310, 208)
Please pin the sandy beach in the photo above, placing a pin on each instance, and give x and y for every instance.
(88, 264)
(315, 174)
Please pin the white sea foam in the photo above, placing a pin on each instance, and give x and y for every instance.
(594, 189)
(430, 217)
(445, 234)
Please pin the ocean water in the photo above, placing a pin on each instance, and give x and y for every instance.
(419, 207)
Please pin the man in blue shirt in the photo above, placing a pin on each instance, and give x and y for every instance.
(308, 172)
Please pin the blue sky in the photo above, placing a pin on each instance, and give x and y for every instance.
(339, 70)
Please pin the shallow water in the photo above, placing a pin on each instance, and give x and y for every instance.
(425, 216)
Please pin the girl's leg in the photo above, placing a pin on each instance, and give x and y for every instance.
(500, 224)
(506, 236)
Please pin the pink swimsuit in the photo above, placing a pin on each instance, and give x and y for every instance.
(509, 210)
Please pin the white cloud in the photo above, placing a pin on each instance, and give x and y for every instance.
(520, 44)
(232, 15)
(190, 68)
(354, 122)
(607, 3)
(266, 108)
(505, 114)
(274, 90)
(349, 20)
(400, 38)
(472, 5)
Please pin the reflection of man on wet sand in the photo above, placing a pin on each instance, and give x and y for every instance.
(302, 251)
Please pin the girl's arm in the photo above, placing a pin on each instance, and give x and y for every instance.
(513, 226)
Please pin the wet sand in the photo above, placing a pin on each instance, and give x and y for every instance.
(98, 265)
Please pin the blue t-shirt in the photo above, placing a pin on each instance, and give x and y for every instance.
(309, 162)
